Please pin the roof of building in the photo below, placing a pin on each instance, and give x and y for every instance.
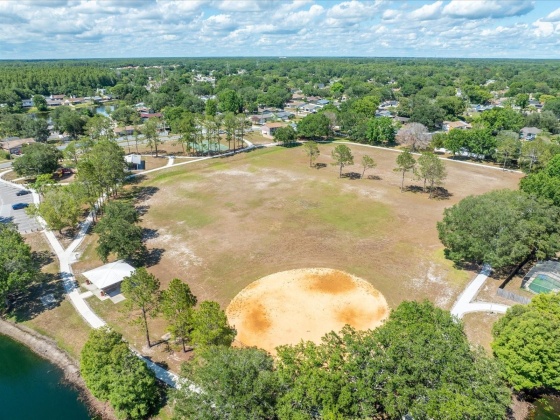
(109, 274)
(456, 124)
(8, 144)
(530, 130)
(274, 125)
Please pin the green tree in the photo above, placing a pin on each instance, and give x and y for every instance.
(118, 233)
(285, 135)
(431, 170)
(426, 368)
(500, 228)
(314, 125)
(498, 119)
(67, 120)
(553, 105)
(522, 100)
(113, 373)
(124, 114)
(17, 267)
(37, 158)
(234, 384)
(342, 156)
(71, 152)
(366, 106)
(60, 208)
(230, 101)
(527, 343)
(380, 130)
(37, 128)
(210, 326)
(546, 183)
(151, 134)
(367, 163)
(40, 103)
(211, 108)
(42, 183)
(508, 147)
(419, 363)
(311, 149)
(405, 163)
(142, 293)
(177, 302)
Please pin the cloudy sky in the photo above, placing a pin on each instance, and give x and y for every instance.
(164, 28)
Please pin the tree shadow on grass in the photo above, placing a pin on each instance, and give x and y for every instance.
(320, 165)
(352, 175)
(441, 193)
(374, 177)
(45, 294)
(153, 256)
(148, 234)
(414, 189)
(141, 194)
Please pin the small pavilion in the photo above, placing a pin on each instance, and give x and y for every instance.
(107, 279)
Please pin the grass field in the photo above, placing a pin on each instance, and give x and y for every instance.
(223, 223)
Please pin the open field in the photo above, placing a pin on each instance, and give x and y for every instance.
(221, 224)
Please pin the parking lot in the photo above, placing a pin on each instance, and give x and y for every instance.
(8, 197)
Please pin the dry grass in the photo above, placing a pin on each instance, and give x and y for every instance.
(224, 223)
(478, 327)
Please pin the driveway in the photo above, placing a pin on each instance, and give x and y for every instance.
(25, 223)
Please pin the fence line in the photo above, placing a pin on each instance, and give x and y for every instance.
(513, 296)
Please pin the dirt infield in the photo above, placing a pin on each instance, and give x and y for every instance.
(303, 304)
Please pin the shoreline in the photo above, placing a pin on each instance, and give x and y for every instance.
(47, 349)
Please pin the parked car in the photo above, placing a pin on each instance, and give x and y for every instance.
(23, 192)
(19, 206)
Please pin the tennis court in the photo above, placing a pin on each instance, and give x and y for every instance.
(544, 284)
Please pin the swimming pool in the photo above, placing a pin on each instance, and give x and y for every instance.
(543, 284)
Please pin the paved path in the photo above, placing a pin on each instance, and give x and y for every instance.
(66, 257)
(464, 305)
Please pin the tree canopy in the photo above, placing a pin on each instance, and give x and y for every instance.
(527, 343)
(342, 156)
(113, 373)
(500, 228)
(17, 267)
(37, 158)
(235, 383)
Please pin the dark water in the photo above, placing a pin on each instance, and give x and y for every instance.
(31, 389)
(548, 408)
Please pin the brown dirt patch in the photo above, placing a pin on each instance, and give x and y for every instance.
(303, 304)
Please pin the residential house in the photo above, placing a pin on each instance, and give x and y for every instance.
(455, 125)
(383, 113)
(56, 97)
(323, 102)
(148, 115)
(529, 133)
(27, 103)
(124, 131)
(284, 115)
(389, 104)
(402, 120)
(261, 119)
(269, 129)
(54, 102)
(309, 108)
(15, 145)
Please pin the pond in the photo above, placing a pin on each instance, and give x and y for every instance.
(32, 388)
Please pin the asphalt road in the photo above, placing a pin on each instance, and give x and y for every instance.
(8, 197)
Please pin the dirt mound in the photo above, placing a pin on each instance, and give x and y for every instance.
(303, 304)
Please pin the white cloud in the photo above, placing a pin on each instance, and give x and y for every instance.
(427, 12)
(552, 16)
(487, 8)
(79, 28)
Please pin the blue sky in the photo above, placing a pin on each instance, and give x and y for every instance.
(33, 29)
